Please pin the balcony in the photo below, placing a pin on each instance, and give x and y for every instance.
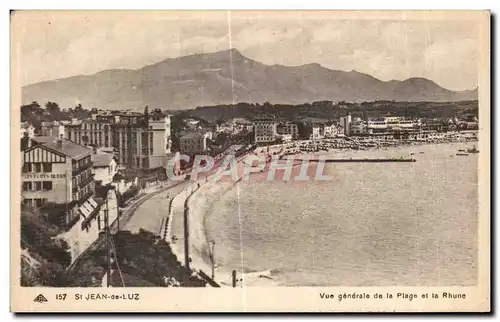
(86, 181)
(82, 168)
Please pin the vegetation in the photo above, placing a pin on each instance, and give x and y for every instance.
(331, 111)
(45, 257)
(148, 257)
(129, 194)
(143, 259)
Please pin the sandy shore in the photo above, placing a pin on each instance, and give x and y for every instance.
(200, 200)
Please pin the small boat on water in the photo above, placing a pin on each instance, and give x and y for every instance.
(473, 150)
(421, 152)
(462, 154)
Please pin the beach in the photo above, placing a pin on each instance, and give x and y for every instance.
(204, 198)
(378, 224)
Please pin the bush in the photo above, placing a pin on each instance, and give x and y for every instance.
(129, 194)
(38, 236)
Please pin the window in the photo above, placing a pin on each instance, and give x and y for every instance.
(47, 167)
(26, 167)
(37, 185)
(28, 203)
(39, 202)
(151, 142)
(26, 186)
(47, 185)
(37, 167)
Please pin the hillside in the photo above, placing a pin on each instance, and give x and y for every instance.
(225, 77)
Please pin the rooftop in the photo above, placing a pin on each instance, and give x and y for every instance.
(43, 139)
(102, 160)
(191, 135)
(68, 148)
(240, 120)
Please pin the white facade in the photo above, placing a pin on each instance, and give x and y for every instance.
(57, 172)
(159, 126)
(87, 229)
(331, 130)
(54, 129)
(141, 142)
(27, 130)
(104, 168)
(346, 122)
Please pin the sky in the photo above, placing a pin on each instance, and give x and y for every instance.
(52, 45)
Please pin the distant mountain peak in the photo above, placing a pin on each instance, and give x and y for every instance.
(225, 76)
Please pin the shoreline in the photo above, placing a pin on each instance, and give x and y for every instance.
(202, 198)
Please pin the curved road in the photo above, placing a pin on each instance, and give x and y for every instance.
(149, 215)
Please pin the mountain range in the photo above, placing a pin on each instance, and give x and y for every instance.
(225, 77)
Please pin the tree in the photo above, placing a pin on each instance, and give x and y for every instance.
(52, 108)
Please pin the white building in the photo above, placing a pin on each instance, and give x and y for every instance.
(58, 172)
(27, 130)
(390, 124)
(141, 141)
(104, 167)
(54, 129)
(330, 130)
(358, 127)
(345, 123)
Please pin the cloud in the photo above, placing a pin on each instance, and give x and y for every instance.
(56, 45)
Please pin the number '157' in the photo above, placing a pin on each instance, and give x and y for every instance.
(61, 297)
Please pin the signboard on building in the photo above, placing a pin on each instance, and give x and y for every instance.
(43, 176)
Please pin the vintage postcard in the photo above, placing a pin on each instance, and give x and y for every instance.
(250, 161)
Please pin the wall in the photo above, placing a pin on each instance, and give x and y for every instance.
(157, 158)
(79, 240)
(61, 183)
(105, 174)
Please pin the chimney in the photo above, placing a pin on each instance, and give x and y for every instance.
(59, 143)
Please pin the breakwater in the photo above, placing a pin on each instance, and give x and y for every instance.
(359, 160)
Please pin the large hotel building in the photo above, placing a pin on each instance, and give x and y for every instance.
(141, 141)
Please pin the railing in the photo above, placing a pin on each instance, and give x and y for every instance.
(86, 181)
(81, 200)
(82, 168)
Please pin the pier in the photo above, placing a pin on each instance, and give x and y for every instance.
(377, 160)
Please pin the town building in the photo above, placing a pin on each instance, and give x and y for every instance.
(318, 131)
(241, 125)
(265, 129)
(390, 125)
(58, 172)
(288, 128)
(141, 141)
(104, 168)
(91, 222)
(53, 129)
(192, 143)
(330, 129)
(27, 130)
(345, 123)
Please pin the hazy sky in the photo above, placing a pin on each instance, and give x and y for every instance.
(56, 45)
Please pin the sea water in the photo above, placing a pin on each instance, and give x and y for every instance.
(379, 224)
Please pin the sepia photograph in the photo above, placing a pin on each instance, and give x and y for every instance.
(155, 151)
